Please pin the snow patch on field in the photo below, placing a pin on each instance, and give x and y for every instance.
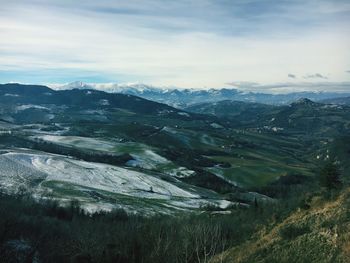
(97, 186)
(22, 168)
(184, 114)
(103, 102)
(30, 106)
(181, 172)
(100, 176)
(147, 160)
(168, 130)
(77, 141)
(216, 126)
(143, 156)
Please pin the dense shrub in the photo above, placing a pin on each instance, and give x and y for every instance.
(330, 176)
(293, 231)
(67, 234)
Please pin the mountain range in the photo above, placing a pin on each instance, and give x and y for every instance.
(181, 98)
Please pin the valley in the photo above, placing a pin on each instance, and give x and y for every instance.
(151, 131)
(148, 180)
(152, 158)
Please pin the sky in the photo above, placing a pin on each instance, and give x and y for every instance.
(257, 45)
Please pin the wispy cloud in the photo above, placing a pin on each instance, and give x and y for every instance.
(315, 76)
(186, 43)
(292, 76)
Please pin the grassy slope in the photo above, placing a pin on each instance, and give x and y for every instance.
(269, 157)
(318, 234)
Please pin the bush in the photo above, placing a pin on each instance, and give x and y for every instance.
(330, 176)
(293, 231)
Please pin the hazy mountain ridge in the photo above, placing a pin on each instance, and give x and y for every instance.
(340, 101)
(302, 115)
(185, 97)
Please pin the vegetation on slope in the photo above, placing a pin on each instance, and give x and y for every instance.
(267, 231)
(319, 231)
(276, 154)
(57, 234)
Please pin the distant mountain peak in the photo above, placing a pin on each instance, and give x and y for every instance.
(76, 85)
(304, 101)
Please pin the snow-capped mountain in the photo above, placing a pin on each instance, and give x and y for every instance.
(181, 98)
(74, 85)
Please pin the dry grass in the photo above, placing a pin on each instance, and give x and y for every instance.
(319, 234)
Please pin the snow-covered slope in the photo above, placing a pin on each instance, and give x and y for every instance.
(95, 185)
(144, 156)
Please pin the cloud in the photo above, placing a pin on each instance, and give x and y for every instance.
(186, 43)
(347, 71)
(292, 76)
(315, 76)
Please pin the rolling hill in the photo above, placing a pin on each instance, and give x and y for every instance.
(220, 148)
(301, 116)
(229, 179)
